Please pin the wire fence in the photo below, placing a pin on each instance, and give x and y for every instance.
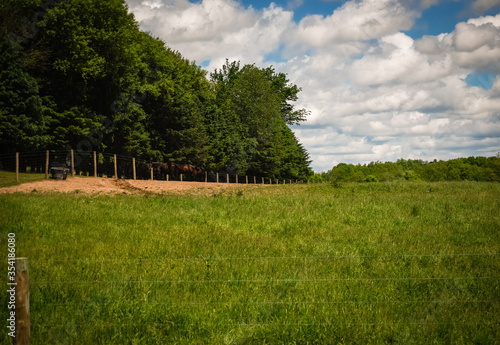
(248, 292)
(111, 165)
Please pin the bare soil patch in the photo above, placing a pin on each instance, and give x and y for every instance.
(91, 185)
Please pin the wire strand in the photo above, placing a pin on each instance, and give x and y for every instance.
(266, 324)
(217, 281)
(332, 257)
(281, 303)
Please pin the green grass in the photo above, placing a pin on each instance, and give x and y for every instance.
(8, 179)
(396, 263)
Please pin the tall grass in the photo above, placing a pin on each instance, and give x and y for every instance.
(398, 263)
(8, 179)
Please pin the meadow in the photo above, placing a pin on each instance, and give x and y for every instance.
(366, 263)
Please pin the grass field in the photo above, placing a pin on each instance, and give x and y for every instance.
(8, 179)
(396, 263)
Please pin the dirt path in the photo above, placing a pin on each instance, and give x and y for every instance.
(110, 186)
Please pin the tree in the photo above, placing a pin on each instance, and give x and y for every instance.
(23, 123)
(73, 68)
(286, 93)
(175, 101)
(252, 104)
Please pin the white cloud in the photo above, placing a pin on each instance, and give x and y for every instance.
(481, 6)
(214, 29)
(353, 22)
(374, 92)
(469, 37)
(293, 4)
(424, 4)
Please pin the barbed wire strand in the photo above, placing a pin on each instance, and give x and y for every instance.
(104, 325)
(329, 257)
(279, 303)
(216, 281)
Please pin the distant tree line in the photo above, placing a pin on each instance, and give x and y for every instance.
(460, 169)
(80, 74)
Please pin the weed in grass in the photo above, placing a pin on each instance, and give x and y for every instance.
(336, 184)
(447, 211)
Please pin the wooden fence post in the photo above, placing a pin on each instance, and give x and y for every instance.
(246, 178)
(116, 168)
(151, 173)
(167, 177)
(236, 178)
(133, 163)
(95, 164)
(263, 182)
(17, 167)
(217, 177)
(22, 310)
(72, 163)
(47, 165)
(181, 177)
(227, 178)
(206, 177)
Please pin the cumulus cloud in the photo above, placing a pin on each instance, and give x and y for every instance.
(214, 29)
(408, 97)
(481, 6)
(374, 92)
(477, 44)
(469, 37)
(354, 21)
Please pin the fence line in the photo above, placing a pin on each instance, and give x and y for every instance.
(333, 257)
(266, 324)
(218, 281)
(110, 165)
(301, 306)
(284, 303)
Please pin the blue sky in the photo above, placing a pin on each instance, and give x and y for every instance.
(439, 18)
(383, 79)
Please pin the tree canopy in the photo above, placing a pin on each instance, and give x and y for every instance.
(81, 71)
(459, 169)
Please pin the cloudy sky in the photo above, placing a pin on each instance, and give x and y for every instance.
(383, 79)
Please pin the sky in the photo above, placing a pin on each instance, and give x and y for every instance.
(382, 79)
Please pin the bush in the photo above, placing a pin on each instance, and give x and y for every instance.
(316, 178)
(371, 178)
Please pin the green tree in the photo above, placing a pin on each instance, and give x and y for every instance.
(254, 104)
(23, 123)
(176, 101)
(286, 93)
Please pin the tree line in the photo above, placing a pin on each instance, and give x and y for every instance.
(460, 169)
(80, 73)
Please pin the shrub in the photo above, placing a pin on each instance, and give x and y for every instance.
(371, 178)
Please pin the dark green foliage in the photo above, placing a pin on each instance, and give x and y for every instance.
(286, 93)
(80, 74)
(470, 169)
(23, 123)
(255, 113)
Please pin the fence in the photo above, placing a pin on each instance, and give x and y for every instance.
(435, 300)
(110, 165)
